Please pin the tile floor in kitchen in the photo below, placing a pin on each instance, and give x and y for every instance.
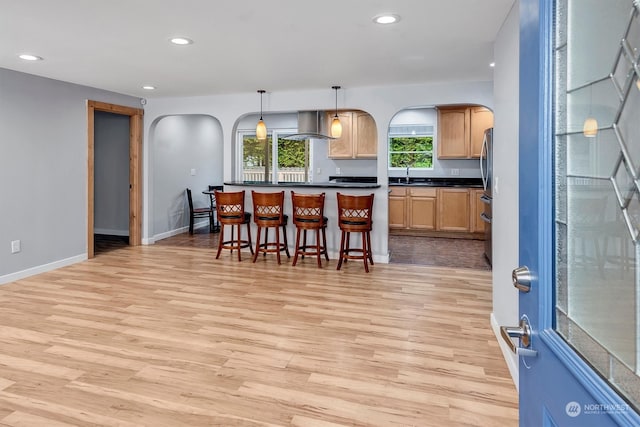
(432, 251)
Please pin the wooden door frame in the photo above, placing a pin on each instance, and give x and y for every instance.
(135, 169)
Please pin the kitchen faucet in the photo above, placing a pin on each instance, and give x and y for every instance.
(407, 178)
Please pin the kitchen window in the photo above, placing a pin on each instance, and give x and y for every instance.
(286, 161)
(411, 146)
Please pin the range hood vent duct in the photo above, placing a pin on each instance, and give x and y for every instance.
(311, 124)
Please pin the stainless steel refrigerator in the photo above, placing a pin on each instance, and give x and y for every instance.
(486, 170)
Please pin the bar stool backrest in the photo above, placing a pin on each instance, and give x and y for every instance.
(308, 209)
(355, 212)
(230, 207)
(267, 208)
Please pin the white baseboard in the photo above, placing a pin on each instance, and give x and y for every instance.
(509, 357)
(42, 268)
(175, 232)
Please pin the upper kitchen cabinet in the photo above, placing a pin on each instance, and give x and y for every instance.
(359, 138)
(461, 130)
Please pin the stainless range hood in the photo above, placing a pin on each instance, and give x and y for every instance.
(311, 124)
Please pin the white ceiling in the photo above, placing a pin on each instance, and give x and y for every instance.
(245, 45)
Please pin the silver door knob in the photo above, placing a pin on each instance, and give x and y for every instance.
(521, 278)
(523, 333)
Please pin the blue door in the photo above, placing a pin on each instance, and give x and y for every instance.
(579, 213)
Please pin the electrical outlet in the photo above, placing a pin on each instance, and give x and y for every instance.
(455, 172)
(193, 172)
(337, 171)
(319, 171)
(15, 246)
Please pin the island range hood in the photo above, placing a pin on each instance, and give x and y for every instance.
(311, 124)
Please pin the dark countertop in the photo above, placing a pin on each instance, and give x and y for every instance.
(436, 182)
(305, 184)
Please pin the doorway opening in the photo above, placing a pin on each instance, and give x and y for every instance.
(135, 170)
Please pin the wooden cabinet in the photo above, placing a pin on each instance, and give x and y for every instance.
(481, 119)
(359, 138)
(477, 207)
(421, 208)
(453, 209)
(397, 207)
(461, 131)
(453, 133)
(412, 208)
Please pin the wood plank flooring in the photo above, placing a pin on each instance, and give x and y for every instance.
(165, 335)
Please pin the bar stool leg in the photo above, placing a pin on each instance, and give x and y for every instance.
(369, 251)
(255, 254)
(342, 236)
(220, 240)
(365, 254)
(324, 242)
(286, 243)
(278, 244)
(295, 256)
(318, 247)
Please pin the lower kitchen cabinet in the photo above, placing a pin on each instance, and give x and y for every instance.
(397, 207)
(421, 207)
(453, 209)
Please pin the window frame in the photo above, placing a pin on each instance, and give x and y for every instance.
(424, 133)
(274, 134)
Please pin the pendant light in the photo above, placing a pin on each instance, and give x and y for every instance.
(261, 128)
(336, 126)
(590, 127)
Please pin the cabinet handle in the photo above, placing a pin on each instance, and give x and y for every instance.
(485, 218)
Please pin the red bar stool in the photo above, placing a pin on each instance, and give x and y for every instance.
(267, 213)
(230, 211)
(308, 210)
(355, 215)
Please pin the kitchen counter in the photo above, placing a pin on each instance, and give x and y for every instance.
(436, 182)
(331, 184)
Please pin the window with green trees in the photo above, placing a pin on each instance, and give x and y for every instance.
(411, 146)
(289, 162)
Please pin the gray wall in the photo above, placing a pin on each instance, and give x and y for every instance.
(187, 153)
(505, 188)
(43, 171)
(111, 174)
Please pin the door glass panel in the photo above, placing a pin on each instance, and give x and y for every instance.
(597, 185)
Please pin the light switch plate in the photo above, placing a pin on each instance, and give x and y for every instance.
(15, 246)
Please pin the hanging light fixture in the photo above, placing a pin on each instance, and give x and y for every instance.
(336, 126)
(590, 127)
(261, 128)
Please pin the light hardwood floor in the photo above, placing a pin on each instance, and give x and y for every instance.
(168, 336)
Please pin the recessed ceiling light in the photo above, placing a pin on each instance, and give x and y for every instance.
(493, 64)
(386, 18)
(181, 41)
(29, 57)
(148, 87)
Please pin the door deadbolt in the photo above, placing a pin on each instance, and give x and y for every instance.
(521, 278)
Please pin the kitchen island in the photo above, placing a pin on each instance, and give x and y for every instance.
(379, 234)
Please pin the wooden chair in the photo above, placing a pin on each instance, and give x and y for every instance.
(198, 213)
(268, 213)
(308, 214)
(355, 215)
(230, 210)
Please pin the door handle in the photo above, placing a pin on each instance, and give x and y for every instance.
(523, 333)
(521, 278)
